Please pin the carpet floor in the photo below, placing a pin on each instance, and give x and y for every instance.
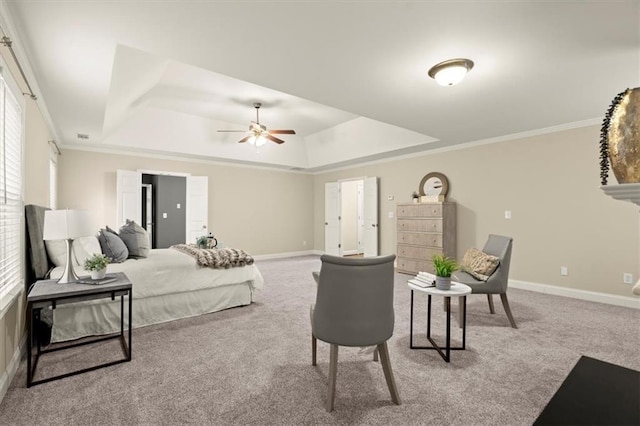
(252, 365)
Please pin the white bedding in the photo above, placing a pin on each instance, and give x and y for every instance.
(167, 285)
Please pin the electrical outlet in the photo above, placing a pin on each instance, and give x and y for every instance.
(304, 243)
(564, 270)
(507, 214)
(390, 197)
(627, 278)
(390, 215)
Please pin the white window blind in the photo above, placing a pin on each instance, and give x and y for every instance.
(11, 208)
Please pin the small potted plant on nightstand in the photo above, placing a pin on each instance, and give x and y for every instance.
(444, 267)
(97, 265)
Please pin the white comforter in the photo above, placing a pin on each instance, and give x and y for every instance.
(167, 271)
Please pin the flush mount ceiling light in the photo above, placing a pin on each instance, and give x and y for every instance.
(450, 72)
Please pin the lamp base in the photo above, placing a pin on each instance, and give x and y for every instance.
(69, 275)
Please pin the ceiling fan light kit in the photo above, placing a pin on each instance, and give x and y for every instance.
(258, 134)
(451, 71)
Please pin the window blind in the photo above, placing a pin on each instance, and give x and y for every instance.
(11, 208)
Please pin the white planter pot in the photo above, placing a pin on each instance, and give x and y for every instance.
(98, 275)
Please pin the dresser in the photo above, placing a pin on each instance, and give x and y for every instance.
(424, 229)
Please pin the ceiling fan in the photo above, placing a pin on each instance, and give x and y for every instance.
(258, 133)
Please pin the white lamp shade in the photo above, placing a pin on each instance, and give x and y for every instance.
(66, 224)
(451, 75)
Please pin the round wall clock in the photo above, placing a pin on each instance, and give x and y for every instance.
(434, 186)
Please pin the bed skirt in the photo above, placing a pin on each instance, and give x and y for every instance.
(76, 320)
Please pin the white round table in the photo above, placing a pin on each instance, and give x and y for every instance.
(457, 289)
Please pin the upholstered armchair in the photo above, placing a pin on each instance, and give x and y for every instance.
(354, 307)
(498, 281)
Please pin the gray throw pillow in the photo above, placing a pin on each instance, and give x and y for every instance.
(136, 239)
(112, 246)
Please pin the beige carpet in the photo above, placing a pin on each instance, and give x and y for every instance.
(252, 365)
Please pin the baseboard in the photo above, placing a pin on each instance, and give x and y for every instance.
(289, 254)
(12, 368)
(592, 296)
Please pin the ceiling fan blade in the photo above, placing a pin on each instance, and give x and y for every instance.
(272, 138)
(282, 132)
(243, 140)
(232, 130)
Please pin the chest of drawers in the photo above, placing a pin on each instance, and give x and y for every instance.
(424, 229)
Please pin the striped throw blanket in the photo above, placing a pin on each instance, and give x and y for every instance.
(222, 258)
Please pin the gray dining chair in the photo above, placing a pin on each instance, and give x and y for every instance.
(499, 246)
(354, 307)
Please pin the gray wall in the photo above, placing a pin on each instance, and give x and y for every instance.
(168, 192)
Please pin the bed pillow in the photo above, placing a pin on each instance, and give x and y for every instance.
(136, 239)
(57, 251)
(112, 246)
(479, 264)
(85, 247)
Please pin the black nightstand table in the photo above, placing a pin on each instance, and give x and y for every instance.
(50, 293)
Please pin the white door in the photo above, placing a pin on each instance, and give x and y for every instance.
(360, 216)
(129, 197)
(370, 210)
(197, 207)
(332, 218)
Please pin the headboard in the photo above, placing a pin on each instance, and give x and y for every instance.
(37, 259)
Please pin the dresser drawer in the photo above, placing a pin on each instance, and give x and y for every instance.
(420, 239)
(419, 210)
(420, 225)
(417, 252)
(413, 266)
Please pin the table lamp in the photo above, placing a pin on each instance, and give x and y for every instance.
(66, 225)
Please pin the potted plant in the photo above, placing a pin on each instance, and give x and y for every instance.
(97, 265)
(415, 197)
(444, 267)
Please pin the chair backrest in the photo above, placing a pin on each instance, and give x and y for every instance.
(354, 303)
(500, 246)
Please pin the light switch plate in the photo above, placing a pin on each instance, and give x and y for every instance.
(178, 206)
(164, 215)
(507, 214)
(390, 215)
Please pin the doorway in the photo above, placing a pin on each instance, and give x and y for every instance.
(351, 217)
(163, 209)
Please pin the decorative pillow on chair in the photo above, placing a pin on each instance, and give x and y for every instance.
(84, 247)
(479, 264)
(112, 246)
(136, 239)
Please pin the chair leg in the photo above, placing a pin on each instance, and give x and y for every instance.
(507, 309)
(490, 299)
(388, 372)
(375, 354)
(314, 347)
(333, 370)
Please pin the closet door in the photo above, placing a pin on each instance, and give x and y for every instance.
(370, 233)
(197, 207)
(129, 196)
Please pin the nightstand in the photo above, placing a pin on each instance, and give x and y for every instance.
(50, 293)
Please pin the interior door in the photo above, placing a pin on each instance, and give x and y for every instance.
(128, 196)
(197, 207)
(360, 216)
(370, 211)
(332, 218)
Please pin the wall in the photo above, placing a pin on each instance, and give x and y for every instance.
(560, 217)
(259, 210)
(36, 191)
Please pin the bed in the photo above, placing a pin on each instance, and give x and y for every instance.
(167, 285)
